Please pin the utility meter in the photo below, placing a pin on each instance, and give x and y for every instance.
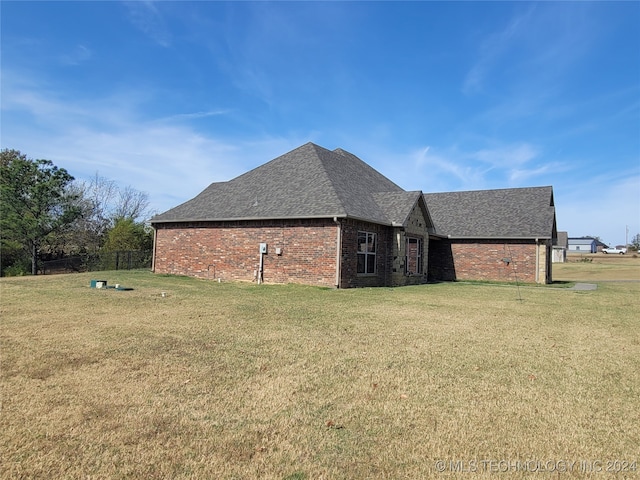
(263, 248)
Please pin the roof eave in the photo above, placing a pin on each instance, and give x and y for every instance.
(497, 237)
(369, 220)
(247, 219)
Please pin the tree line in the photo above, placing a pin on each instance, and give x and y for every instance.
(46, 214)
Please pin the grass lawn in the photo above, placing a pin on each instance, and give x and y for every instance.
(598, 267)
(222, 380)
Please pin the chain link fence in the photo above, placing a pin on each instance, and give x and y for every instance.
(120, 260)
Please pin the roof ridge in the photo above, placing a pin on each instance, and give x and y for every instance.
(341, 166)
(308, 181)
(492, 189)
(327, 174)
(275, 159)
(344, 153)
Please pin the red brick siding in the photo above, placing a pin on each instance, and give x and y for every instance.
(483, 260)
(230, 250)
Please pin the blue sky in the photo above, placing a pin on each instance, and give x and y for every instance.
(168, 97)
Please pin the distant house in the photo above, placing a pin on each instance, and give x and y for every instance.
(323, 217)
(560, 248)
(583, 245)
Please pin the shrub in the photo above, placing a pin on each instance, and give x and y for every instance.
(16, 270)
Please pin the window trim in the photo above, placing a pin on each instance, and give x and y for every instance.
(370, 238)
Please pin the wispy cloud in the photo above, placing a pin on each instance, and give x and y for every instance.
(430, 168)
(21, 93)
(166, 157)
(491, 50)
(77, 56)
(520, 176)
(504, 165)
(506, 156)
(449, 163)
(261, 46)
(145, 16)
(196, 115)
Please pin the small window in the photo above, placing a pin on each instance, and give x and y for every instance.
(367, 253)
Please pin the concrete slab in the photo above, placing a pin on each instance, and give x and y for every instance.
(584, 286)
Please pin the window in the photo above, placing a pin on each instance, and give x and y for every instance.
(413, 258)
(366, 253)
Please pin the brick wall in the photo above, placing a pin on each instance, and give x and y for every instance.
(349, 269)
(308, 249)
(484, 260)
(230, 250)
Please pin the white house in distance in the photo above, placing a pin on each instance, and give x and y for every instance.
(583, 245)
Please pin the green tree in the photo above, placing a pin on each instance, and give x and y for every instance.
(127, 234)
(35, 202)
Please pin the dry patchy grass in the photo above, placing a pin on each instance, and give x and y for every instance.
(598, 267)
(292, 382)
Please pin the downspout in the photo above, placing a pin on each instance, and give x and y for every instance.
(537, 261)
(153, 254)
(338, 251)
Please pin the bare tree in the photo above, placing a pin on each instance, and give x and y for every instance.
(95, 198)
(131, 204)
(102, 203)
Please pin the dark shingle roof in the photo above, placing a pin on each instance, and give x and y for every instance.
(563, 239)
(398, 205)
(505, 213)
(308, 182)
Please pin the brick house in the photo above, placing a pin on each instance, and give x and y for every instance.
(325, 217)
(318, 217)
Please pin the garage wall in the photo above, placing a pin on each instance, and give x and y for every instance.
(485, 260)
